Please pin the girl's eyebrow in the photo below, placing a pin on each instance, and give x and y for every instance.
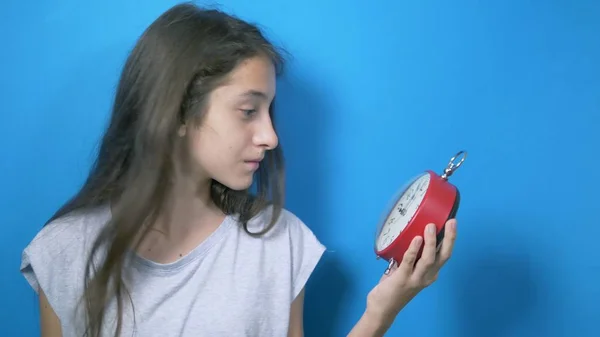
(254, 94)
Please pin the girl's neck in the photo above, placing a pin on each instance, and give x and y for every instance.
(187, 218)
(187, 207)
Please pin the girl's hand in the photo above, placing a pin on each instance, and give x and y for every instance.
(400, 284)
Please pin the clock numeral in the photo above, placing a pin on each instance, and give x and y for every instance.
(401, 210)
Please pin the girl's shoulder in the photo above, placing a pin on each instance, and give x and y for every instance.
(291, 243)
(55, 259)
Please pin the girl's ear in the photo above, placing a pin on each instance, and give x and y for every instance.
(182, 130)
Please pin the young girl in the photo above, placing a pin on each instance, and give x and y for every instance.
(165, 238)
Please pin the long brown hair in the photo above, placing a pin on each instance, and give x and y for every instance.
(175, 64)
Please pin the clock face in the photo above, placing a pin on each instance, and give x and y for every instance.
(402, 212)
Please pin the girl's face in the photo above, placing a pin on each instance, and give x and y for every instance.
(236, 130)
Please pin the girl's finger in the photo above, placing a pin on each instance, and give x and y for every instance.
(427, 260)
(448, 242)
(410, 256)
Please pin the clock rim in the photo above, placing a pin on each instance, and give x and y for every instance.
(444, 187)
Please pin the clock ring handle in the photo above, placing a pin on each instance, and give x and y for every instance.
(391, 264)
(453, 165)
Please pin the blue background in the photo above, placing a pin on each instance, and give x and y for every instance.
(373, 96)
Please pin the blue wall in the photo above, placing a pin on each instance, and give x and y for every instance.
(374, 95)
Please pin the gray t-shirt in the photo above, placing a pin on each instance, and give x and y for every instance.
(230, 285)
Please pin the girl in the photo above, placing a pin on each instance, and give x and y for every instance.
(165, 238)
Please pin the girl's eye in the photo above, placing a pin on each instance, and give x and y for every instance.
(248, 112)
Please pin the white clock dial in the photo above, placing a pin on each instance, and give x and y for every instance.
(403, 211)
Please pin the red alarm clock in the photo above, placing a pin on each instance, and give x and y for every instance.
(428, 198)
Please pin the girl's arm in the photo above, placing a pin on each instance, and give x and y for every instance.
(367, 326)
(396, 288)
(49, 322)
(296, 317)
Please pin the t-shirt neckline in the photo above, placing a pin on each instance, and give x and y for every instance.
(198, 252)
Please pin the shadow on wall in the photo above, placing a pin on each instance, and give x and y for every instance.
(498, 291)
(302, 120)
(74, 121)
(53, 159)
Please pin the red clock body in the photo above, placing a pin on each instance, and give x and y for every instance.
(429, 198)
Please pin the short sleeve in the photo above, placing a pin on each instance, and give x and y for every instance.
(49, 262)
(306, 251)
(37, 260)
(54, 261)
